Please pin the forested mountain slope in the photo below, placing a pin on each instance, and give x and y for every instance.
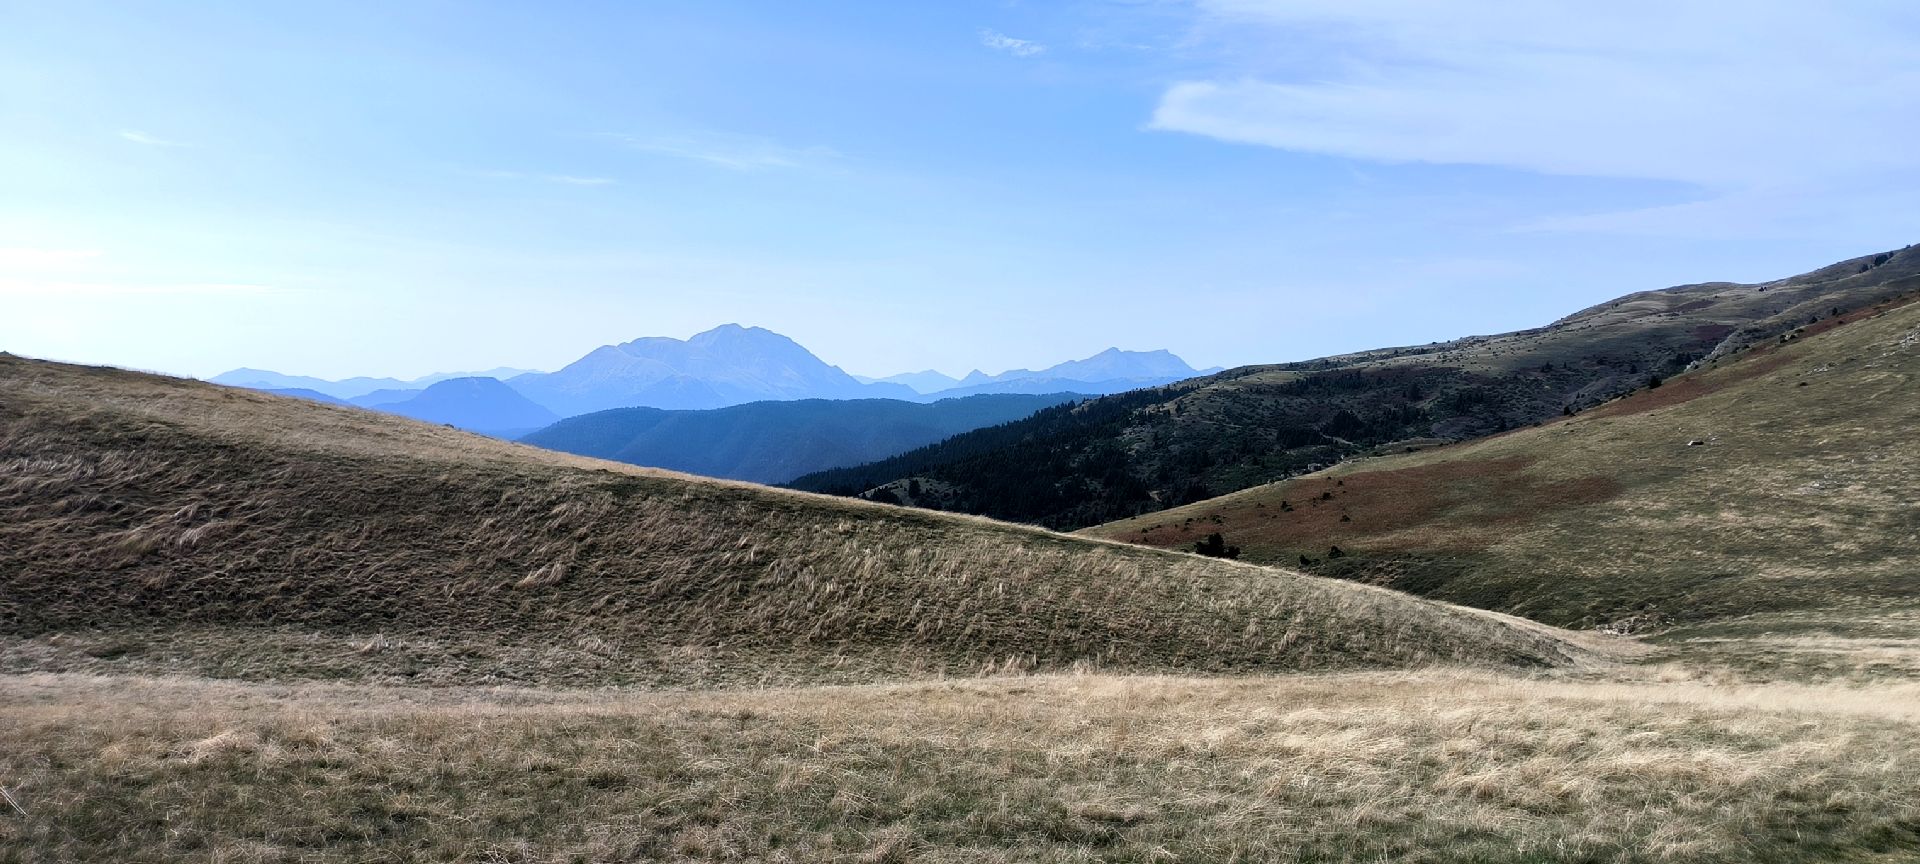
(1147, 450)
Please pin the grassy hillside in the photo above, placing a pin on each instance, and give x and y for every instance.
(773, 442)
(1149, 450)
(158, 524)
(1777, 478)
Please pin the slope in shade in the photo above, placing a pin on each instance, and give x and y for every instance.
(238, 533)
(773, 442)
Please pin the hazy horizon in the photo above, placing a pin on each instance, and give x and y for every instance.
(397, 189)
(879, 375)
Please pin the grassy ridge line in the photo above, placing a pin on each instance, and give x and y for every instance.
(1435, 766)
(248, 530)
(1776, 480)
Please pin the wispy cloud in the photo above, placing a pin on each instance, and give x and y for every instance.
(38, 259)
(563, 179)
(59, 289)
(52, 272)
(1017, 47)
(1634, 89)
(576, 180)
(733, 152)
(1741, 106)
(139, 137)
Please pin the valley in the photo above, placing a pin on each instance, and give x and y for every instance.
(1117, 432)
(1677, 624)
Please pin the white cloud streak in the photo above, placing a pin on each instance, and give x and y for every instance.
(1017, 47)
(575, 180)
(1764, 94)
(38, 259)
(732, 152)
(138, 137)
(31, 288)
(62, 273)
(563, 179)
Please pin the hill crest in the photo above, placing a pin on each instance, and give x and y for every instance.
(250, 535)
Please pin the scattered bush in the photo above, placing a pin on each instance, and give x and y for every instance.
(1215, 546)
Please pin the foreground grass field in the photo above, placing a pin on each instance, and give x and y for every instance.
(1411, 766)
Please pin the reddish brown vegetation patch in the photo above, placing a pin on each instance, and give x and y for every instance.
(1687, 388)
(1465, 501)
(1860, 314)
(1755, 362)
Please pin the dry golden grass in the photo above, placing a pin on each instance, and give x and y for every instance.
(1423, 766)
(154, 524)
(1800, 497)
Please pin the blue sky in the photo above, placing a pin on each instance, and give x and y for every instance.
(404, 187)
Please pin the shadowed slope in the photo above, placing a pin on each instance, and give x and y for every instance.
(773, 442)
(236, 533)
(1778, 479)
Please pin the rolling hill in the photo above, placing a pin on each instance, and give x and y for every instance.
(166, 525)
(773, 442)
(1148, 450)
(483, 405)
(1775, 479)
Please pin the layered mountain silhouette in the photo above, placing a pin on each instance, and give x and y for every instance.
(476, 404)
(773, 442)
(385, 396)
(925, 382)
(348, 388)
(304, 393)
(1110, 371)
(728, 365)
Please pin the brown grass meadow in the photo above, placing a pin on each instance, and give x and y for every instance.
(1433, 765)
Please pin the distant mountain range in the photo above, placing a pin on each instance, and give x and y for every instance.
(1110, 371)
(728, 365)
(479, 404)
(924, 382)
(476, 404)
(773, 442)
(349, 388)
